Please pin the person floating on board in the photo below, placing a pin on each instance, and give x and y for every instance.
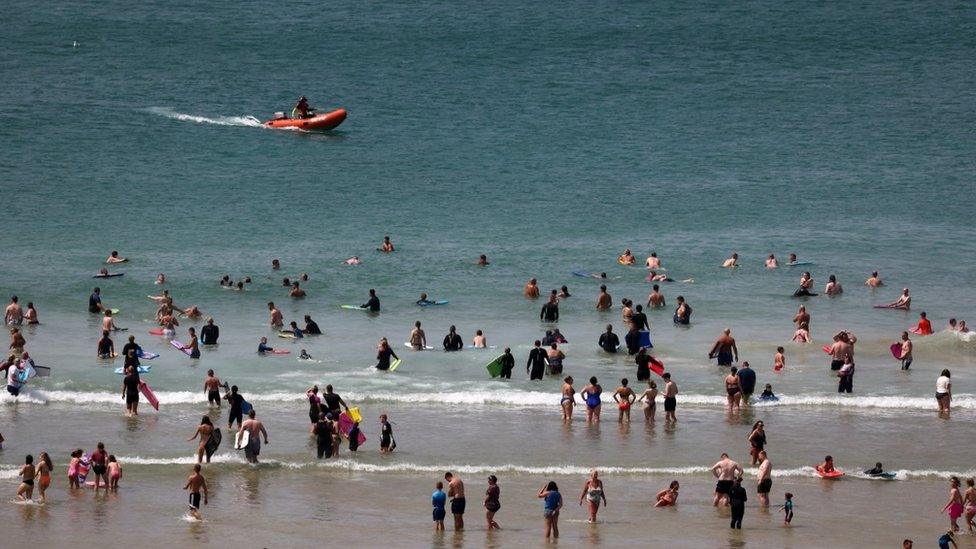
(302, 108)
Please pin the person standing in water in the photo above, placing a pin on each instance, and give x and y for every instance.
(387, 442)
(418, 339)
(624, 397)
(211, 387)
(507, 363)
(255, 428)
(455, 491)
(609, 341)
(737, 501)
(656, 299)
(567, 400)
(726, 471)
(438, 501)
(204, 431)
(492, 502)
(954, 507)
(906, 351)
(943, 391)
(670, 399)
(531, 290)
(195, 483)
(591, 397)
(25, 491)
(593, 492)
(603, 301)
(725, 349)
(553, 503)
(373, 303)
(210, 332)
(536, 364)
(765, 478)
(383, 354)
(682, 314)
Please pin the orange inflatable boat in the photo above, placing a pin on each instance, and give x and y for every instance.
(325, 121)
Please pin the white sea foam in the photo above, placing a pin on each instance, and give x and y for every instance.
(249, 121)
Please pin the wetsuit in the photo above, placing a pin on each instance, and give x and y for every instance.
(323, 438)
(332, 404)
(354, 439)
(311, 328)
(131, 383)
(386, 437)
(685, 318)
(452, 342)
(105, 347)
(609, 342)
(639, 321)
(643, 367)
(94, 303)
(383, 356)
(747, 381)
(236, 409)
(209, 334)
(550, 312)
(632, 340)
(536, 364)
(373, 304)
(508, 364)
(737, 501)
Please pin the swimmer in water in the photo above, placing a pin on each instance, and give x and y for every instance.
(591, 397)
(296, 291)
(354, 260)
(275, 265)
(904, 301)
(387, 246)
(627, 258)
(668, 496)
(483, 261)
(792, 260)
(653, 262)
(654, 276)
(564, 292)
(874, 280)
(624, 397)
(833, 287)
(567, 400)
(160, 278)
(779, 359)
(731, 262)
(479, 341)
(656, 299)
(114, 258)
(924, 326)
(806, 286)
(771, 262)
(304, 355)
(531, 290)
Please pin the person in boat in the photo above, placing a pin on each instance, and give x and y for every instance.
(302, 108)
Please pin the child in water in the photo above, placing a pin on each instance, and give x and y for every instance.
(779, 360)
(114, 472)
(827, 466)
(787, 509)
(305, 355)
(73, 469)
(354, 437)
(767, 393)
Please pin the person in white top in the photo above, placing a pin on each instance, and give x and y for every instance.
(943, 391)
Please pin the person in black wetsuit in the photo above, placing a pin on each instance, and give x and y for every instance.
(632, 340)
(737, 501)
(333, 401)
(311, 328)
(209, 333)
(682, 314)
(130, 391)
(547, 339)
(609, 340)
(452, 341)
(508, 364)
(383, 355)
(106, 348)
(550, 311)
(639, 319)
(131, 359)
(354, 437)
(643, 361)
(95, 301)
(373, 303)
(324, 429)
(236, 407)
(536, 365)
(387, 443)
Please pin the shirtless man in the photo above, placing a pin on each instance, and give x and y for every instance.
(725, 349)
(418, 339)
(531, 290)
(455, 491)
(13, 313)
(296, 290)
(627, 258)
(254, 428)
(840, 352)
(204, 431)
(670, 398)
(656, 299)
(194, 483)
(211, 386)
(624, 397)
(114, 258)
(874, 281)
(731, 262)
(802, 317)
(765, 478)
(108, 323)
(904, 301)
(603, 300)
(653, 262)
(567, 400)
(833, 287)
(387, 246)
(726, 471)
(277, 320)
(906, 351)
(771, 262)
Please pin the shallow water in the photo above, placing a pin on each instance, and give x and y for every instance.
(548, 138)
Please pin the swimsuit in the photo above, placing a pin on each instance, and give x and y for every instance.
(670, 403)
(593, 495)
(764, 485)
(593, 400)
(723, 487)
(457, 506)
(955, 510)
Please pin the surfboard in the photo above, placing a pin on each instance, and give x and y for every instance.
(409, 346)
(353, 307)
(836, 473)
(241, 440)
(884, 476)
(149, 394)
(495, 367)
(109, 275)
(395, 364)
(656, 366)
(246, 407)
(882, 307)
(769, 398)
(355, 415)
(84, 465)
(432, 303)
(826, 349)
(277, 352)
(213, 443)
(146, 355)
(43, 371)
(346, 424)
(156, 331)
(141, 369)
(798, 263)
(179, 346)
(895, 350)
(645, 339)
(114, 311)
(285, 335)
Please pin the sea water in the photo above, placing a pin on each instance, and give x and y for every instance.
(548, 137)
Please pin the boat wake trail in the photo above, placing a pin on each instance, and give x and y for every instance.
(248, 121)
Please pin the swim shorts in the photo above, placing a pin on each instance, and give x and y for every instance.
(836, 364)
(457, 506)
(195, 500)
(670, 403)
(99, 470)
(725, 359)
(213, 397)
(439, 514)
(131, 398)
(723, 487)
(765, 485)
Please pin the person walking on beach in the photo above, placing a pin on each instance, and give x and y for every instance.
(204, 431)
(553, 502)
(724, 349)
(455, 491)
(764, 478)
(254, 428)
(943, 391)
(726, 471)
(593, 492)
(195, 483)
(737, 501)
(492, 502)
(954, 507)
(438, 501)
